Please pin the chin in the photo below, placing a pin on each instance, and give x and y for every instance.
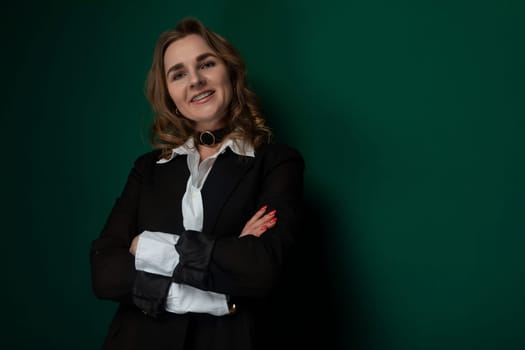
(206, 117)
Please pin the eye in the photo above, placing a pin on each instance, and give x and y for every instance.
(208, 64)
(177, 76)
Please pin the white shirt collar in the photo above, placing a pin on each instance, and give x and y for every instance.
(238, 146)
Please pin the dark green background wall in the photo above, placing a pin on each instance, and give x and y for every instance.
(409, 114)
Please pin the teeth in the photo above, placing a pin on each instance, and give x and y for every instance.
(201, 96)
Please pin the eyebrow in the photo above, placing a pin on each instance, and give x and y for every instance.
(199, 58)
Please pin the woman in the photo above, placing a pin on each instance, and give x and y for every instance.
(197, 240)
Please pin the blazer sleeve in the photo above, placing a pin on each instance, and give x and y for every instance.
(112, 265)
(249, 266)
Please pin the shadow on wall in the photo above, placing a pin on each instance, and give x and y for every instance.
(309, 311)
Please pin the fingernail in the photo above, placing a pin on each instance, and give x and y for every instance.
(272, 213)
(264, 207)
(273, 221)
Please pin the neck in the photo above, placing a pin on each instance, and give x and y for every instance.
(207, 151)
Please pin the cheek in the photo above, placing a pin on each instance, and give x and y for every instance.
(227, 86)
(175, 94)
(228, 91)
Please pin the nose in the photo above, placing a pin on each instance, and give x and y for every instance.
(197, 79)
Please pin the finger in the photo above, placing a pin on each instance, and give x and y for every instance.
(271, 223)
(260, 230)
(271, 214)
(265, 219)
(133, 246)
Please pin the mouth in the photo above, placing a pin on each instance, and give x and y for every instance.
(202, 97)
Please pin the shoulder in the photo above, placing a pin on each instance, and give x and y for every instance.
(277, 149)
(147, 160)
(279, 152)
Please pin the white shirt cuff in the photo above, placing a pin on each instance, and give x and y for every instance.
(156, 253)
(183, 298)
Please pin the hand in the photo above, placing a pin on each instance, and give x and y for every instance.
(133, 246)
(259, 223)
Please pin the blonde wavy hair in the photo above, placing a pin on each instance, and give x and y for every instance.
(244, 116)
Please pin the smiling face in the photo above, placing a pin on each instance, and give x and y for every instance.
(198, 82)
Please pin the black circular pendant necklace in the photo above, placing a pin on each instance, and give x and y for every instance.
(211, 137)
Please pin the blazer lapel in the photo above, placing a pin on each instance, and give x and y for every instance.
(226, 173)
(162, 201)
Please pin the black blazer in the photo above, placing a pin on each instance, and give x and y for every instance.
(244, 268)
